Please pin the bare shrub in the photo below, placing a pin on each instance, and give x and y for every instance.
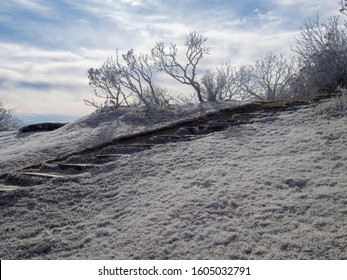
(336, 107)
(221, 84)
(7, 120)
(127, 82)
(322, 53)
(268, 78)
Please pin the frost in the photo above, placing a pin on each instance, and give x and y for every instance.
(273, 189)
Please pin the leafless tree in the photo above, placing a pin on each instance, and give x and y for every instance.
(268, 78)
(322, 53)
(130, 82)
(166, 60)
(220, 85)
(138, 78)
(106, 82)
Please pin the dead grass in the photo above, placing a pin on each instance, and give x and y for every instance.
(336, 107)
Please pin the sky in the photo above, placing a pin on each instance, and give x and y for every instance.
(47, 46)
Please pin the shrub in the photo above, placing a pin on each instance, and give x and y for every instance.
(7, 120)
(268, 78)
(322, 52)
(336, 107)
(126, 81)
(220, 85)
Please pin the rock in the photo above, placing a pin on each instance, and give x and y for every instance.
(38, 127)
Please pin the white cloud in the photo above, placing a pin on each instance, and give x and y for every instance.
(33, 5)
(305, 8)
(41, 81)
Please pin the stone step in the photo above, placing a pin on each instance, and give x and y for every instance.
(111, 155)
(167, 138)
(201, 130)
(8, 188)
(43, 175)
(79, 166)
(140, 145)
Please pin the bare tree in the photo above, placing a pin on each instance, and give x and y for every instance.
(166, 60)
(107, 80)
(268, 78)
(322, 53)
(220, 85)
(138, 78)
(126, 83)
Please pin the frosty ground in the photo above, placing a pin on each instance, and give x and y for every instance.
(275, 188)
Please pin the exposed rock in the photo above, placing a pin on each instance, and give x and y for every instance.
(46, 126)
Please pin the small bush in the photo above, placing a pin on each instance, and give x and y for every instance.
(322, 52)
(7, 120)
(337, 107)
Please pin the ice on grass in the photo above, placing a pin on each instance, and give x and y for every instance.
(270, 189)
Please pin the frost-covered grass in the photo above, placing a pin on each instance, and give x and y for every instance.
(19, 150)
(272, 189)
(336, 107)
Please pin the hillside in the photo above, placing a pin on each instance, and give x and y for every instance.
(272, 187)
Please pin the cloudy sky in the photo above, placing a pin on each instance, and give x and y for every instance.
(47, 46)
